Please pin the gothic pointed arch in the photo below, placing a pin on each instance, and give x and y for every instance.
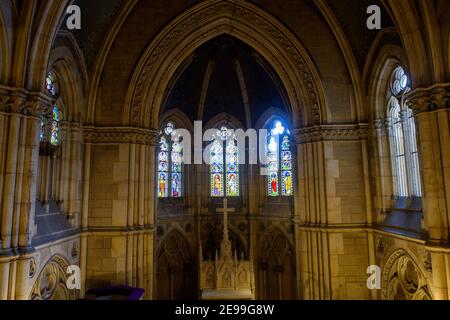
(67, 60)
(174, 267)
(409, 27)
(276, 266)
(178, 117)
(203, 22)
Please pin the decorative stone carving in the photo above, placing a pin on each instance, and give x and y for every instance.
(20, 101)
(32, 271)
(332, 133)
(51, 283)
(403, 280)
(120, 135)
(427, 263)
(74, 251)
(429, 99)
(227, 276)
(274, 244)
(381, 248)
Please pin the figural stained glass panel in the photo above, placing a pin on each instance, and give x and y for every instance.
(163, 168)
(170, 164)
(224, 165)
(217, 170)
(279, 162)
(232, 170)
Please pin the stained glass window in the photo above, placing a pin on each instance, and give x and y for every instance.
(403, 139)
(217, 170)
(176, 169)
(225, 166)
(55, 118)
(50, 84)
(42, 125)
(279, 162)
(232, 169)
(54, 139)
(163, 168)
(170, 163)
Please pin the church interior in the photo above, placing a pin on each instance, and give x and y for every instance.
(352, 202)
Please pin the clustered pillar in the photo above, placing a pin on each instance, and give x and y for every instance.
(19, 154)
(431, 106)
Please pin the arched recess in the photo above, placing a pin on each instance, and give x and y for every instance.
(66, 59)
(241, 20)
(41, 40)
(408, 22)
(51, 284)
(175, 277)
(60, 170)
(403, 279)
(386, 56)
(276, 266)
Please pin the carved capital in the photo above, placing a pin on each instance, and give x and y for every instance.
(22, 102)
(429, 99)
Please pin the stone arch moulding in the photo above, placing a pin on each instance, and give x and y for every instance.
(400, 271)
(239, 19)
(181, 247)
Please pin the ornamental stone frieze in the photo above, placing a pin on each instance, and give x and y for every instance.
(107, 135)
(23, 102)
(332, 133)
(429, 99)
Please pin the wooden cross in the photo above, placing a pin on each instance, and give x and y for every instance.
(225, 210)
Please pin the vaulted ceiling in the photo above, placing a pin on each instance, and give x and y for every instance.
(226, 76)
(98, 16)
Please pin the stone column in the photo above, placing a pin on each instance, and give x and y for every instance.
(118, 216)
(431, 107)
(333, 212)
(19, 142)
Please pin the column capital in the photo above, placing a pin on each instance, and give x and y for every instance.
(429, 99)
(22, 102)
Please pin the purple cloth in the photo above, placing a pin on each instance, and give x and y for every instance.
(116, 293)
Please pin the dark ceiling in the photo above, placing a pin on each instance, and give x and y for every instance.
(224, 92)
(99, 14)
